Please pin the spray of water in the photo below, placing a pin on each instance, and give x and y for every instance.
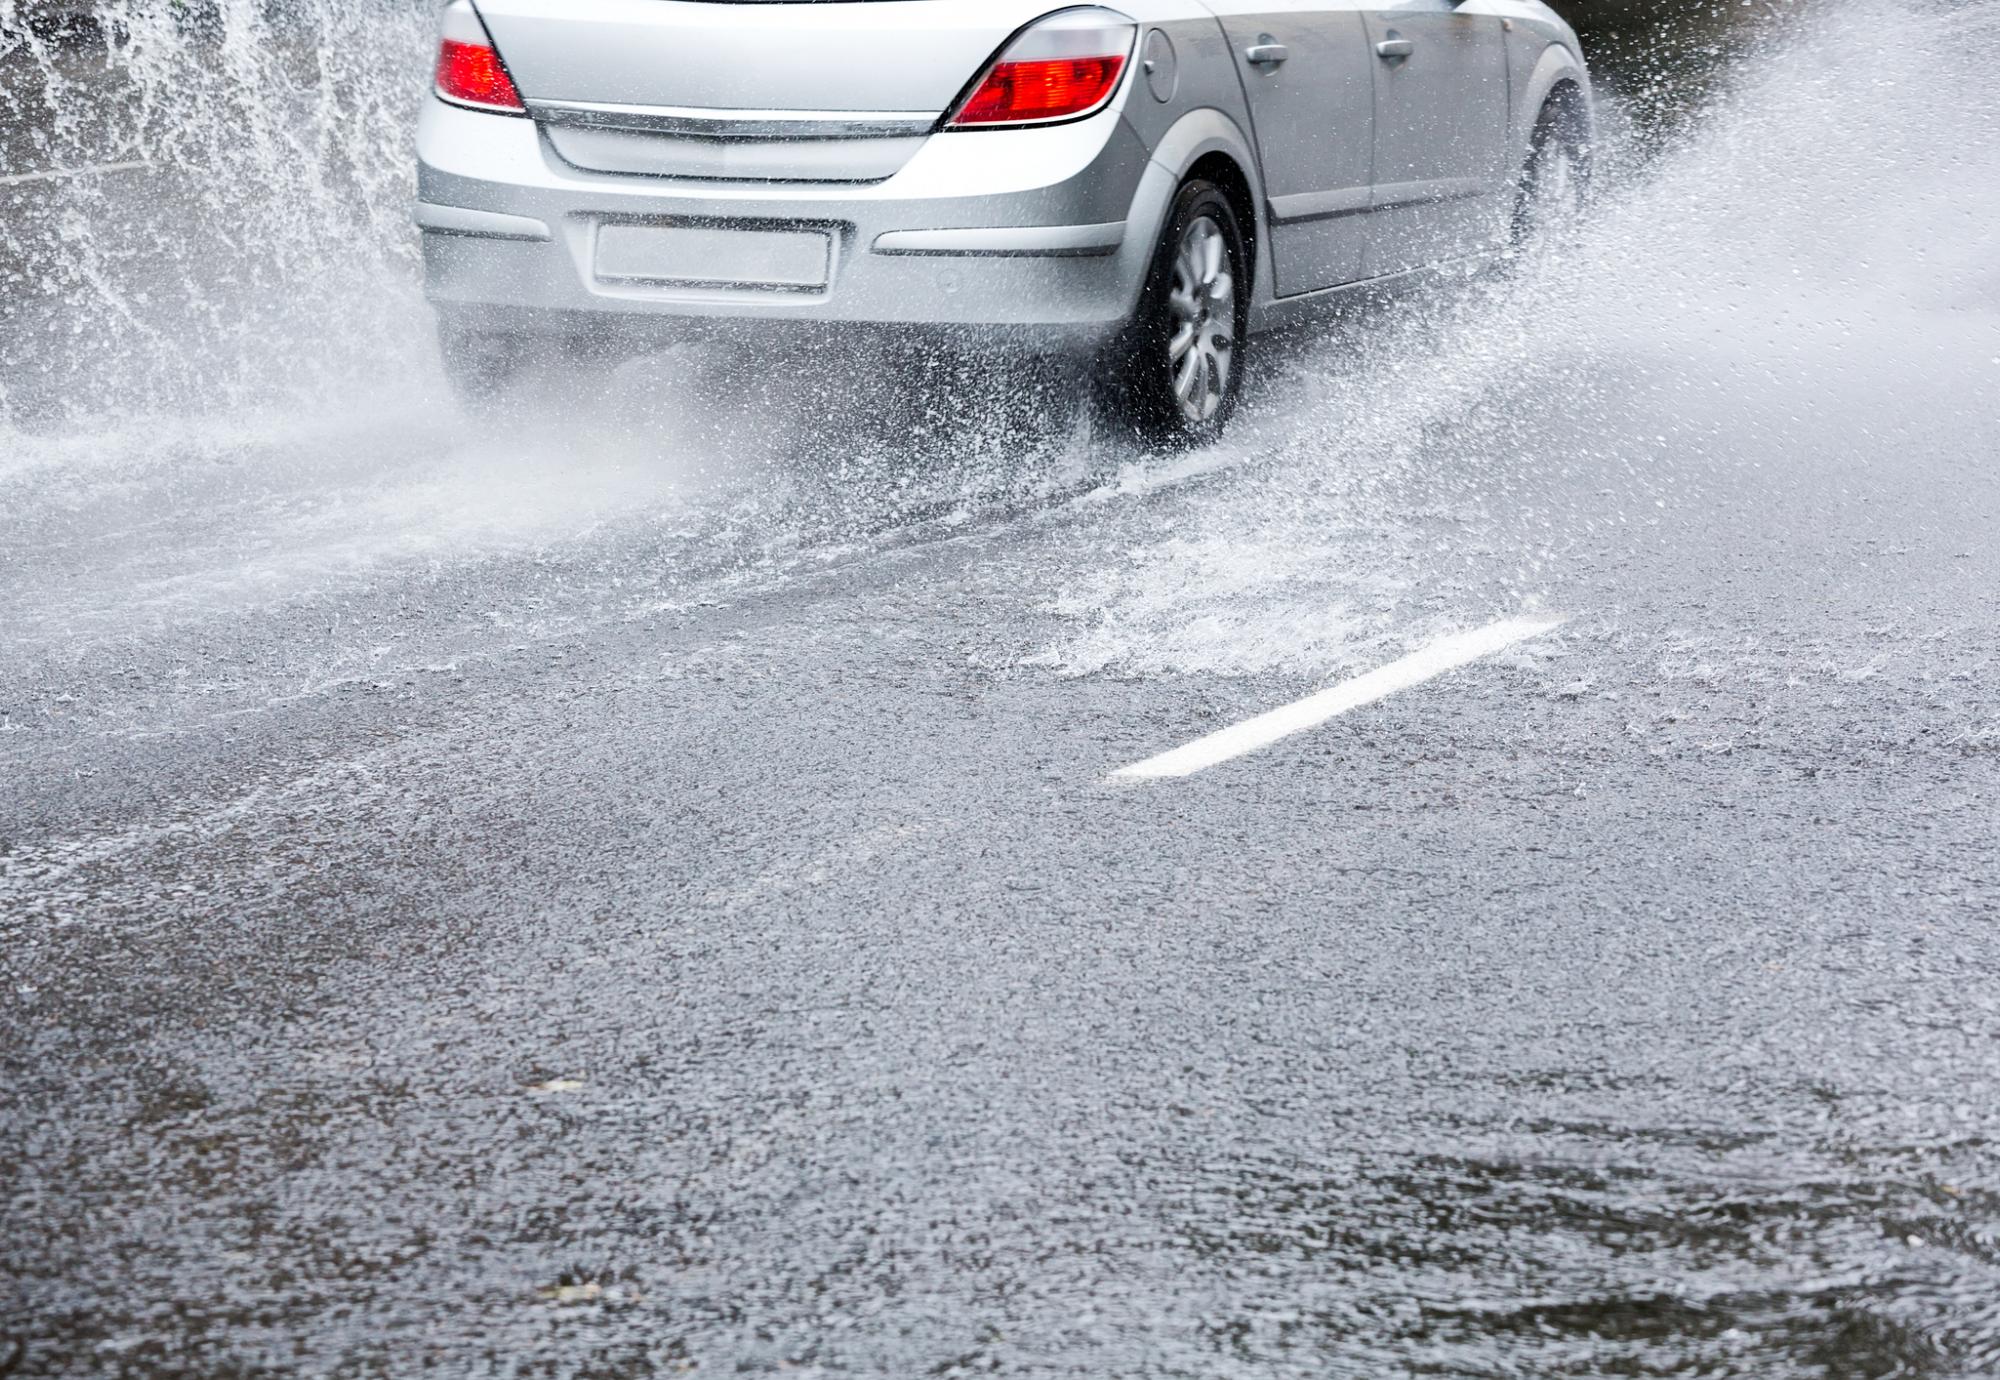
(1794, 266)
(208, 211)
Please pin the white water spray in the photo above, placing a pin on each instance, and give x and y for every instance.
(208, 212)
(1818, 246)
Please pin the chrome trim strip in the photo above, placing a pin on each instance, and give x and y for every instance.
(711, 123)
(463, 220)
(1039, 240)
(1396, 196)
(1305, 206)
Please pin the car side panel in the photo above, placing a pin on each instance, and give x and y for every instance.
(1312, 116)
(1444, 159)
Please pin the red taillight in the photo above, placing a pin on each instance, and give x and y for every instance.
(1065, 67)
(474, 76)
(1018, 93)
(469, 69)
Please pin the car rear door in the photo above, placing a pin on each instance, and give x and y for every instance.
(755, 89)
(1305, 69)
(1443, 174)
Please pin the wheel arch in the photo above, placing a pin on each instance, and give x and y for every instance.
(1202, 143)
(1561, 75)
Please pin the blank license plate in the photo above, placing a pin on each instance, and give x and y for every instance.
(703, 256)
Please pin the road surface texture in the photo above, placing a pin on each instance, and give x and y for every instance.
(635, 883)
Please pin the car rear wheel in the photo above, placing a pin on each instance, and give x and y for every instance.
(1176, 371)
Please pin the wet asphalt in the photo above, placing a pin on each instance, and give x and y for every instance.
(775, 983)
(629, 886)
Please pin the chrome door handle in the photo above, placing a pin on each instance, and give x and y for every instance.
(1266, 54)
(1392, 48)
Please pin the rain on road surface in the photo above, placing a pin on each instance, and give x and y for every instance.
(638, 886)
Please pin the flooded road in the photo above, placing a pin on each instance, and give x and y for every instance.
(632, 885)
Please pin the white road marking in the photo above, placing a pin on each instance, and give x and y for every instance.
(1444, 655)
(57, 174)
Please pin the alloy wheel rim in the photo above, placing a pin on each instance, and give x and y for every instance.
(1202, 346)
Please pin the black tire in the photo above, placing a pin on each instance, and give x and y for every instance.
(1140, 367)
(1555, 184)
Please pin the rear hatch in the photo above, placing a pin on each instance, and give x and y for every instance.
(764, 90)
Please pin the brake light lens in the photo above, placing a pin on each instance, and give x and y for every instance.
(1024, 93)
(1066, 67)
(469, 69)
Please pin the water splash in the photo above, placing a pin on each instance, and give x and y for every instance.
(1795, 266)
(248, 248)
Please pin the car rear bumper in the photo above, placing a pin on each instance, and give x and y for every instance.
(1041, 232)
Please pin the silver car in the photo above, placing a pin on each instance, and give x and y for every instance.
(1147, 185)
